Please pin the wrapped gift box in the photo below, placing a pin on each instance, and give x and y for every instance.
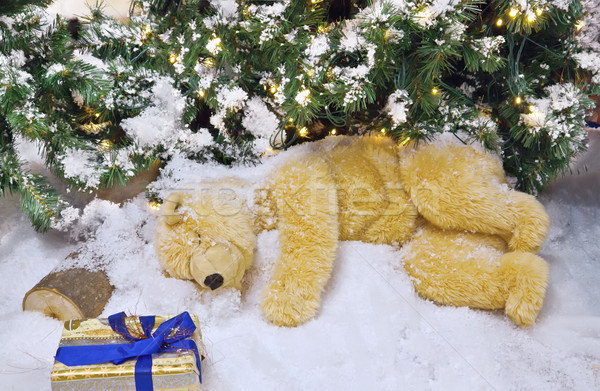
(594, 117)
(171, 370)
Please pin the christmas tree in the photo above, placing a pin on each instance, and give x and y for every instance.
(8, 7)
(230, 80)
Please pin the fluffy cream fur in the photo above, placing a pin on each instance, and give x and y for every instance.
(468, 240)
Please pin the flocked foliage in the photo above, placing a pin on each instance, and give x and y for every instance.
(9, 7)
(229, 80)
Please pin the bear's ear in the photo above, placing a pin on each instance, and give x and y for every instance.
(170, 208)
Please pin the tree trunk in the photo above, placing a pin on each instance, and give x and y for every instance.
(75, 293)
(595, 114)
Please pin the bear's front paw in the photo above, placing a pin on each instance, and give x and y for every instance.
(289, 305)
(531, 226)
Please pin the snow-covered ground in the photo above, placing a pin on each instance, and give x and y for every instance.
(373, 331)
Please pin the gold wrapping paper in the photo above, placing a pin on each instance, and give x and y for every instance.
(170, 371)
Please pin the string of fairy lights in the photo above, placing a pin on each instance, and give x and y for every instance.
(214, 46)
(316, 83)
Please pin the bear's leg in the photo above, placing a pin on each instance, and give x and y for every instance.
(467, 269)
(458, 187)
(308, 228)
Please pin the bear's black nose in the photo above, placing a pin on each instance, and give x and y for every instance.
(213, 281)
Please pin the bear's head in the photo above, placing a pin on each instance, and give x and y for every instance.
(207, 236)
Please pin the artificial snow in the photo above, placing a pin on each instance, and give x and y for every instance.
(231, 98)
(488, 46)
(214, 46)
(55, 68)
(302, 97)
(227, 8)
(372, 332)
(317, 47)
(81, 164)
(589, 31)
(590, 61)
(161, 122)
(351, 39)
(91, 60)
(260, 122)
(397, 106)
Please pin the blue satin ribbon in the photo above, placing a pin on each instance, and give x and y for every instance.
(593, 124)
(171, 336)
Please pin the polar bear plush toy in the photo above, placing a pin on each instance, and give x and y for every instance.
(467, 238)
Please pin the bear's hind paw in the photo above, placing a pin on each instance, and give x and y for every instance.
(526, 297)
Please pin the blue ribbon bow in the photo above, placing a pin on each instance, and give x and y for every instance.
(171, 336)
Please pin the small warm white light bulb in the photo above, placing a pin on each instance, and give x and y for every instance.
(201, 93)
(579, 25)
(303, 131)
(269, 151)
(531, 18)
(513, 12)
(383, 130)
(173, 58)
(499, 22)
(97, 115)
(531, 108)
(518, 100)
(424, 14)
(106, 144)
(435, 91)
(154, 205)
(333, 132)
(539, 12)
(273, 89)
